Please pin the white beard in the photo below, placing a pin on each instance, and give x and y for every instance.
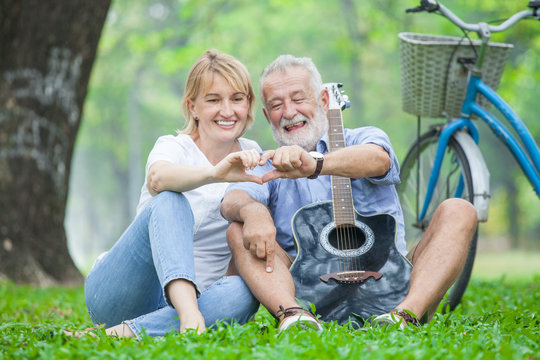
(308, 136)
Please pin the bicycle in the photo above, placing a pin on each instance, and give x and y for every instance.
(446, 161)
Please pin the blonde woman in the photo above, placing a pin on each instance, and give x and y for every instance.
(167, 271)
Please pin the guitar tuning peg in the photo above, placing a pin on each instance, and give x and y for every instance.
(347, 102)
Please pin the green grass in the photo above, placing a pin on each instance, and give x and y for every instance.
(498, 319)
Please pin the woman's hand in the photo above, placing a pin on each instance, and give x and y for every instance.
(233, 167)
(183, 296)
(192, 320)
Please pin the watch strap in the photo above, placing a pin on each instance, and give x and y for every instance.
(318, 168)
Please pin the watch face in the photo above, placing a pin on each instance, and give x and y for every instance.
(316, 155)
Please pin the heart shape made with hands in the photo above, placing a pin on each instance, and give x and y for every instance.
(290, 162)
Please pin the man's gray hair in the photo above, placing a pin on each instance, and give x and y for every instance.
(283, 62)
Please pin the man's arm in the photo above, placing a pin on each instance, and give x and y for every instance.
(259, 232)
(357, 161)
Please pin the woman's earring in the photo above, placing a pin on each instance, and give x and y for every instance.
(196, 118)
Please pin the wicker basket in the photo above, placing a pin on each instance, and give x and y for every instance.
(432, 84)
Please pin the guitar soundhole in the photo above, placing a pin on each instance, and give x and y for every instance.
(347, 241)
(346, 237)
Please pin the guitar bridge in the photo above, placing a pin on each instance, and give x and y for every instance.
(350, 277)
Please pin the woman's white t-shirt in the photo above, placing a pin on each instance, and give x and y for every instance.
(212, 254)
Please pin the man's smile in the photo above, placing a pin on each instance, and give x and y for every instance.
(295, 126)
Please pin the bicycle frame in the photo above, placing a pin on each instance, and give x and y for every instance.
(528, 158)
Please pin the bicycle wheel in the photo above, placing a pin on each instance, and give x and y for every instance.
(415, 172)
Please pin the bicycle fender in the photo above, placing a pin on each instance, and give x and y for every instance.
(479, 172)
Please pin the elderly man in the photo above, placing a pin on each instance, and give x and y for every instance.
(261, 234)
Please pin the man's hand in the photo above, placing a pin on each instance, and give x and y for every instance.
(290, 162)
(260, 239)
(233, 167)
(258, 230)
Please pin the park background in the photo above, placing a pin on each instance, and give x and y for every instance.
(147, 47)
(134, 94)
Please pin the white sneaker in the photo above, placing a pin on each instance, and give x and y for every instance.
(402, 317)
(297, 316)
(388, 319)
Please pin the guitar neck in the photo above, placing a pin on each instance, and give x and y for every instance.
(341, 186)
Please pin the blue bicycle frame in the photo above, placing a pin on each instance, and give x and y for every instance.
(528, 158)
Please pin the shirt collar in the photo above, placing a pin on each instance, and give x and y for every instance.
(322, 144)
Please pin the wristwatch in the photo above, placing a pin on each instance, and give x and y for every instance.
(320, 159)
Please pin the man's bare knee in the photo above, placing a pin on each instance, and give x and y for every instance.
(458, 216)
(458, 210)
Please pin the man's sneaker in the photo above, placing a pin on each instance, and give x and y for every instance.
(297, 316)
(403, 317)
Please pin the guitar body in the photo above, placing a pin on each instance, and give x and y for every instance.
(314, 233)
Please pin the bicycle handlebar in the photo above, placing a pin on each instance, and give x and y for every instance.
(425, 5)
(432, 6)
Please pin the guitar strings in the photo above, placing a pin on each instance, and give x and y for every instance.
(346, 231)
(333, 179)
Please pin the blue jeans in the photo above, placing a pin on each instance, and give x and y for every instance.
(128, 282)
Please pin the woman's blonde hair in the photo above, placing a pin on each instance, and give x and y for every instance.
(210, 63)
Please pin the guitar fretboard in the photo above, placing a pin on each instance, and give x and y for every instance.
(341, 186)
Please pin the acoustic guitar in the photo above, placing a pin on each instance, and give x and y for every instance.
(347, 265)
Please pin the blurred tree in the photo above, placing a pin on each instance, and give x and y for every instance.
(47, 49)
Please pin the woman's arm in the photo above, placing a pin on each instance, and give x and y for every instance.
(164, 175)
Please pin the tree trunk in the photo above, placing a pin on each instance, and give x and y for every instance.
(47, 49)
